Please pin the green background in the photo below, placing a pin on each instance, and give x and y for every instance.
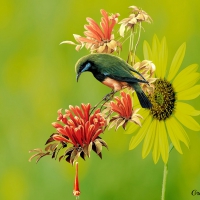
(37, 78)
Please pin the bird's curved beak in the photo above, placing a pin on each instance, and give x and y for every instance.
(77, 76)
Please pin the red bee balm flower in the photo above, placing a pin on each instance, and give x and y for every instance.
(81, 129)
(98, 39)
(125, 112)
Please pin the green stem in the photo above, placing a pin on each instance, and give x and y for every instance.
(165, 172)
(164, 181)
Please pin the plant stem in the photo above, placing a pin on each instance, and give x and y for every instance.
(164, 181)
(165, 172)
(133, 60)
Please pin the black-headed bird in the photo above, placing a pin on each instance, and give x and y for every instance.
(113, 72)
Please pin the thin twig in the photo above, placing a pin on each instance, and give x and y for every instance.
(106, 99)
(133, 61)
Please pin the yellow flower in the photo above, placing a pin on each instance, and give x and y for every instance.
(169, 113)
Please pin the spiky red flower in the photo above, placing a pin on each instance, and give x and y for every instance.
(98, 39)
(80, 128)
(123, 107)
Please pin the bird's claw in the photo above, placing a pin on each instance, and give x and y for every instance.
(109, 96)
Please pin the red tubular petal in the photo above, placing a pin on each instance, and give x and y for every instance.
(105, 23)
(129, 104)
(79, 112)
(91, 118)
(123, 110)
(116, 108)
(77, 120)
(118, 100)
(60, 115)
(113, 22)
(57, 125)
(70, 134)
(74, 109)
(97, 111)
(71, 123)
(91, 35)
(83, 136)
(96, 127)
(64, 119)
(76, 191)
(78, 136)
(69, 113)
(90, 133)
(95, 26)
(86, 40)
(125, 106)
(61, 139)
(97, 133)
(62, 131)
(86, 110)
(90, 29)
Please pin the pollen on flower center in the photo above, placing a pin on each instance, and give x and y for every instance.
(163, 100)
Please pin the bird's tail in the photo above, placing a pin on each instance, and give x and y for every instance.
(144, 101)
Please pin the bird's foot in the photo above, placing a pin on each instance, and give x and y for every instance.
(109, 96)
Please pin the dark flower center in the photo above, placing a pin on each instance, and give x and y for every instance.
(163, 100)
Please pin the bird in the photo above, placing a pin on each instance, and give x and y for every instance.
(113, 72)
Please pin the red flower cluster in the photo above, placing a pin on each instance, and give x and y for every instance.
(80, 128)
(98, 39)
(123, 107)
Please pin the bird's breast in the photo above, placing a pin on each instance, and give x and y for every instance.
(115, 85)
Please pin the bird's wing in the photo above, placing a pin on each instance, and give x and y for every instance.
(133, 70)
(120, 73)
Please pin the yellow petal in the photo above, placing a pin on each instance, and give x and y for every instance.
(180, 131)
(176, 62)
(187, 82)
(163, 141)
(163, 56)
(147, 51)
(155, 55)
(187, 121)
(172, 134)
(186, 78)
(156, 149)
(149, 139)
(135, 140)
(189, 94)
(186, 109)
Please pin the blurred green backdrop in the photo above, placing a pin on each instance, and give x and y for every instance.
(37, 78)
